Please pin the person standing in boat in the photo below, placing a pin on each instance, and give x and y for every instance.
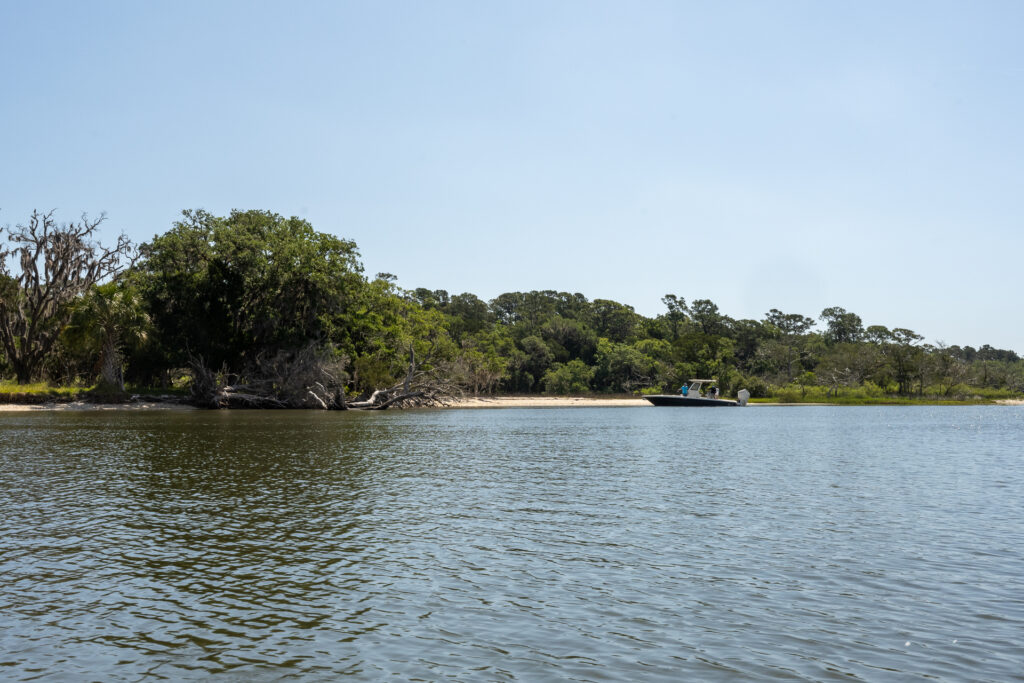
(684, 390)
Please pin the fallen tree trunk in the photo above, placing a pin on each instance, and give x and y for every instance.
(430, 388)
(422, 392)
(244, 397)
(249, 396)
(382, 400)
(306, 379)
(311, 377)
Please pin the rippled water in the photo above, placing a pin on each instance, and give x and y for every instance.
(585, 544)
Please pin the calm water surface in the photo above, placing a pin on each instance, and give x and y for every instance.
(806, 543)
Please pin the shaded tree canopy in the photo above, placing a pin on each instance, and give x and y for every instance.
(227, 289)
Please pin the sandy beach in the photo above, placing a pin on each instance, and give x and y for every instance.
(545, 402)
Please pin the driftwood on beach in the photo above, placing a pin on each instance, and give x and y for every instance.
(318, 397)
(421, 388)
(311, 379)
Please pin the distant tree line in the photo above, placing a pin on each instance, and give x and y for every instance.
(255, 308)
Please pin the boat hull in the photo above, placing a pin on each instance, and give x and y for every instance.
(680, 401)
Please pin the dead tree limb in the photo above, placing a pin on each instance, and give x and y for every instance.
(423, 386)
(55, 264)
(312, 377)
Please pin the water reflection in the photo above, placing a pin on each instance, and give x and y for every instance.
(587, 543)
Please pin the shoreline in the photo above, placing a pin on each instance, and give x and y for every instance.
(82, 406)
(476, 402)
(469, 403)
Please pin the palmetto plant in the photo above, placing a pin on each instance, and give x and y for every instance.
(106, 319)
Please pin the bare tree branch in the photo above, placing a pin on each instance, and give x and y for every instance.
(55, 264)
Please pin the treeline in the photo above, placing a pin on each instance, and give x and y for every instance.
(255, 307)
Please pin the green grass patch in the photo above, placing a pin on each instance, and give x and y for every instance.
(44, 392)
(876, 401)
(872, 394)
(37, 392)
(11, 387)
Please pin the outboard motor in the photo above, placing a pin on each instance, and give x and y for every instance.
(742, 396)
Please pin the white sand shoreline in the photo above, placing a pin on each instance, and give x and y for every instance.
(545, 402)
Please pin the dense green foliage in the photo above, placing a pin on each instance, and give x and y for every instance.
(230, 293)
(226, 289)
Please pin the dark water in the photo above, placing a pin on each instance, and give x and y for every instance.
(578, 544)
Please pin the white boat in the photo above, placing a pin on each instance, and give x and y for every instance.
(694, 395)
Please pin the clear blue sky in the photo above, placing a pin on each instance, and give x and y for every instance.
(795, 155)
